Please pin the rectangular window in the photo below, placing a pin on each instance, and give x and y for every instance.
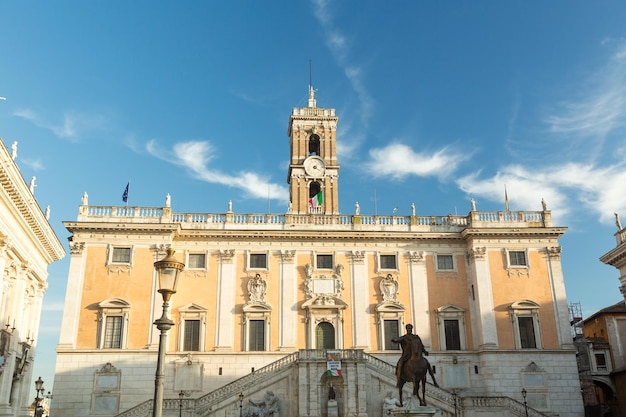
(324, 261)
(257, 335)
(192, 335)
(196, 261)
(517, 258)
(388, 262)
(601, 362)
(113, 332)
(527, 333)
(120, 256)
(258, 261)
(445, 263)
(391, 332)
(453, 334)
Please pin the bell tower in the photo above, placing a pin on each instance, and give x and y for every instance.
(313, 168)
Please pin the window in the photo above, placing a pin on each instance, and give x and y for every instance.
(257, 261)
(390, 328)
(113, 323)
(451, 327)
(527, 333)
(192, 335)
(314, 145)
(517, 258)
(525, 319)
(113, 332)
(191, 328)
(388, 262)
(324, 336)
(452, 334)
(324, 261)
(256, 337)
(601, 365)
(120, 255)
(196, 261)
(445, 263)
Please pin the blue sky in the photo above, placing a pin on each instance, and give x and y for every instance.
(438, 103)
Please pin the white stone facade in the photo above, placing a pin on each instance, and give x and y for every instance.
(27, 246)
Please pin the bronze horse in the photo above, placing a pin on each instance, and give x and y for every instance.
(414, 370)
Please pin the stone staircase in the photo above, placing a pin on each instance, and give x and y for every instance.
(224, 401)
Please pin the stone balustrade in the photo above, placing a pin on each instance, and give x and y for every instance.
(336, 222)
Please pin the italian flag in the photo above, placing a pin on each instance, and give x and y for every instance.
(317, 200)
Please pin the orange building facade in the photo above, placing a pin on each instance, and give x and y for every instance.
(485, 292)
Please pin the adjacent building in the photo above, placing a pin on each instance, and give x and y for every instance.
(605, 332)
(267, 301)
(27, 246)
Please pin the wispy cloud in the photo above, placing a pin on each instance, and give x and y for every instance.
(566, 188)
(338, 45)
(399, 161)
(71, 126)
(196, 157)
(34, 164)
(599, 107)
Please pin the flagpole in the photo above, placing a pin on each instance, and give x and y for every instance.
(128, 194)
(375, 207)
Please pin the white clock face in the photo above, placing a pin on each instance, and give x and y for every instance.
(314, 166)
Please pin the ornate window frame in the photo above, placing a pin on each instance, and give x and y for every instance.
(525, 308)
(192, 312)
(188, 256)
(110, 251)
(113, 307)
(510, 265)
(452, 257)
(379, 265)
(250, 253)
(451, 312)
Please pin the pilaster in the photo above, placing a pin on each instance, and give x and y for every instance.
(484, 319)
(418, 295)
(360, 300)
(557, 285)
(71, 309)
(288, 320)
(225, 317)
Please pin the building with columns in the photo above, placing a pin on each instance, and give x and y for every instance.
(267, 302)
(27, 246)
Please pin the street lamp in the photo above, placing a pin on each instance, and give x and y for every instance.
(524, 393)
(168, 270)
(40, 389)
(241, 404)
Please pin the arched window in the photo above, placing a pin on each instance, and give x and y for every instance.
(325, 336)
(314, 145)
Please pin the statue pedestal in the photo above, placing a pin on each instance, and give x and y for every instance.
(412, 409)
(333, 409)
(420, 411)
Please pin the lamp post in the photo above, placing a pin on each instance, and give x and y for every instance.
(524, 393)
(168, 270)
(39, 388)
(180, 403)
(241, 404)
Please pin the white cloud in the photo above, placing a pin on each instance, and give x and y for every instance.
(71, 127)
(34, 164)
(398, 161)
(196, 157)
(599, 107)
(569, 188)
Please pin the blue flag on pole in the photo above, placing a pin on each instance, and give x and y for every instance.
(125, 195)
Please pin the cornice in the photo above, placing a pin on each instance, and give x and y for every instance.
(25, 203)
(512, 232)
(615, 257)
